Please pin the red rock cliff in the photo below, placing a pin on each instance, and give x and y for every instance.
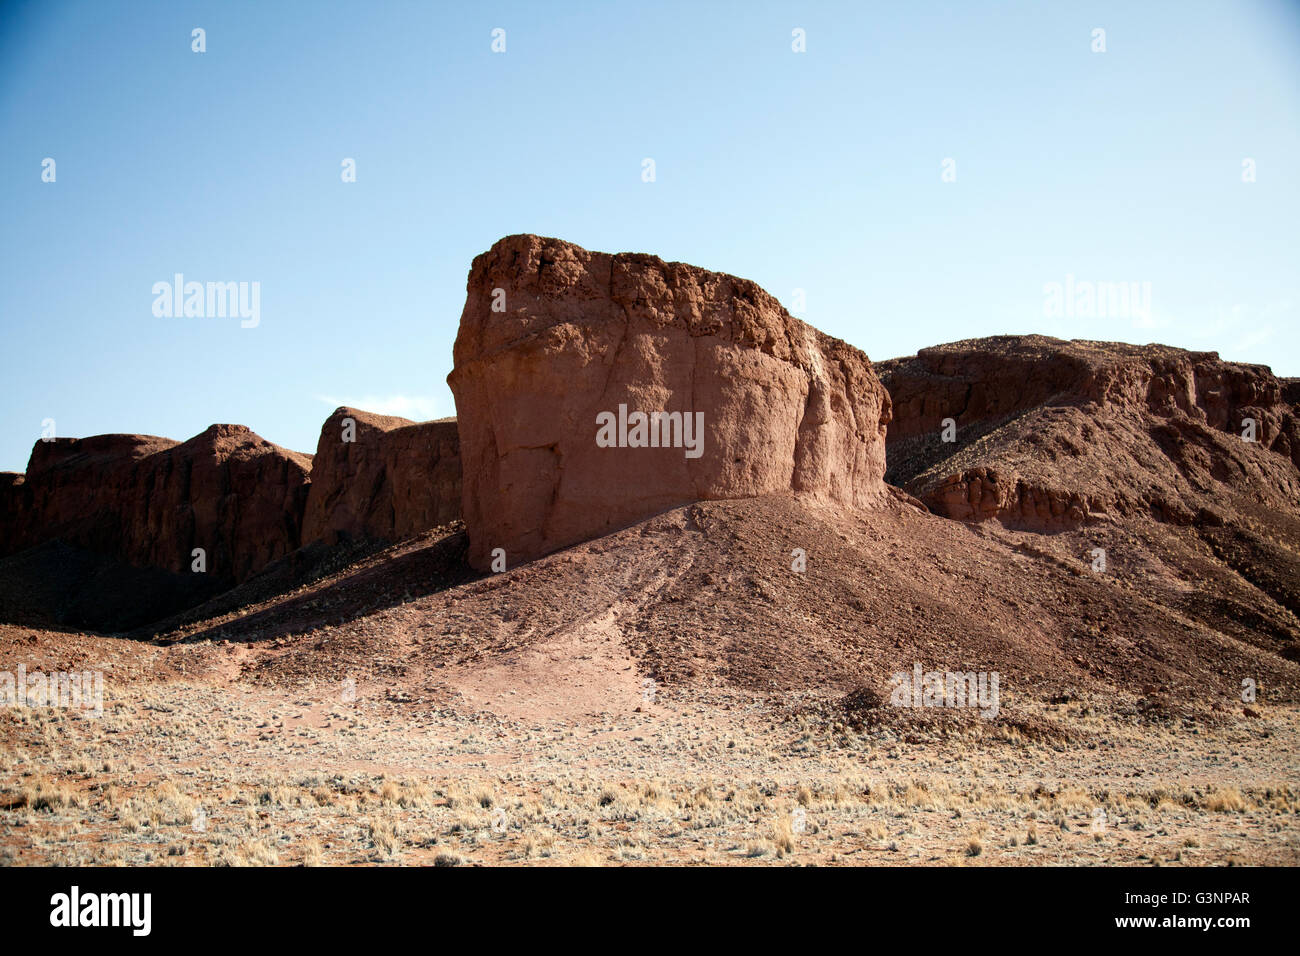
(579, 334)
(395, 478)
(150, 501)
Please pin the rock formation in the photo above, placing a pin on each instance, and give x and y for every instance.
(1051, 433)
(100, 531)
(149, 501)
(107, 525)
(556, 342)
(392, 479)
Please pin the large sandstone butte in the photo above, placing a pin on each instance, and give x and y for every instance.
(394, 479)
(1053, 434)
(577, 334)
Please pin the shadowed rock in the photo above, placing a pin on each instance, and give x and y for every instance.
(394, 479)
(150, 501)
(101, 531)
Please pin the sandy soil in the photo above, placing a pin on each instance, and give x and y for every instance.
(675, 693)
(509, 765)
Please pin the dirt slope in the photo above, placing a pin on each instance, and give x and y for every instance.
(705, 596)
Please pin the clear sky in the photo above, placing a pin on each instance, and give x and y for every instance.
(821, 171)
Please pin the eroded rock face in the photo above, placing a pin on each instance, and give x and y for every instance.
(1052, 433)
(395, 478)
(150, 501)
(100, 531)
(577, 334)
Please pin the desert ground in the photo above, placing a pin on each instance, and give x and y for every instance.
(517, 719)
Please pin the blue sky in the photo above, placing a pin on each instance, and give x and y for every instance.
(819, 171)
